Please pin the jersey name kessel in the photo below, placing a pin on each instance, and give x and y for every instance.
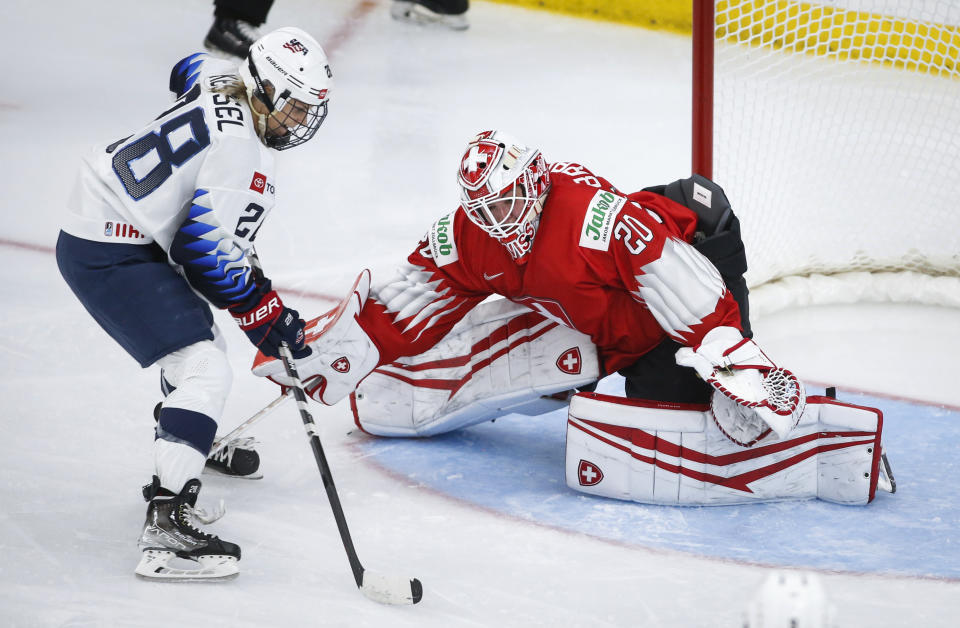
(598, 221)
(441, 241)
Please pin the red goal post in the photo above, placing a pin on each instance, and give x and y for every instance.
(834, 127)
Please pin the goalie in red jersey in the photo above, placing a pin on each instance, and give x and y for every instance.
(593, 281)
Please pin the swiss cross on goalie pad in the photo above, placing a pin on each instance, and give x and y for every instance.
(500, 358)
(588, 473)
(659, 453)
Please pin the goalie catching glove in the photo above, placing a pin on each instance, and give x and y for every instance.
(341, 354)
(754, 395)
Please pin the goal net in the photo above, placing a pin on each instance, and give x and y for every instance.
(834, 128)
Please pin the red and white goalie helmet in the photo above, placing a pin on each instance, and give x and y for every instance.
(503, 186)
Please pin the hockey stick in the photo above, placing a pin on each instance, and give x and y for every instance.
(223, 441)
(376, 586)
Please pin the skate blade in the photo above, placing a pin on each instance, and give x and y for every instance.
(154, 565)
(256, 475)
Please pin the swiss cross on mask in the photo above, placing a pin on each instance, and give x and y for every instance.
(477, 159)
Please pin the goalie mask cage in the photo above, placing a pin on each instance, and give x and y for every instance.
(834, 128)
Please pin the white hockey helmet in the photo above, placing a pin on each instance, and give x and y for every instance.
(503, 186)
(288, 72)
(790, 599)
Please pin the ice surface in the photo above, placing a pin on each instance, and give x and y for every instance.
(77, 428)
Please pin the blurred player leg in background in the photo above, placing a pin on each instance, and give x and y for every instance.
(450, 14)
(235, 25)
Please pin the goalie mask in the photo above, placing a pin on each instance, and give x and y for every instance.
(288, 80)
(503, 186)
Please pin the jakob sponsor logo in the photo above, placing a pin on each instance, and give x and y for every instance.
(442, 245)
(588, 473)
(598, 221)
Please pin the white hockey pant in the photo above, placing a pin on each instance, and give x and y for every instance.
(202, 377)
(500, 358)
(656, 453)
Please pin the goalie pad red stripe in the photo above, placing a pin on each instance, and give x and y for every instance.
(454, 385)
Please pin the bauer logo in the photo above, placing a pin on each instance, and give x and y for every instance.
(570, 361)
(589, 474)
(598, 222)
(442, 245)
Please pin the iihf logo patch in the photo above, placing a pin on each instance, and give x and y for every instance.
(341, 365)
(259, 182)
(108, 229)
(570, 361)
(588, 473)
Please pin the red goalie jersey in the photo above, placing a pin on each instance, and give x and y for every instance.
(617, 267)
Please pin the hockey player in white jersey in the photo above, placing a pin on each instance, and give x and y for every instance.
(161, 225)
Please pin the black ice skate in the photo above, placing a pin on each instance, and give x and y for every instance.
(450, 14)
(170, 533)
(237, 459)
(229, 37)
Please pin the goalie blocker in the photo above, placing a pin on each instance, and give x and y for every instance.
(674, 454)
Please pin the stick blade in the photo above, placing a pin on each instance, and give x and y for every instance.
(391, 589)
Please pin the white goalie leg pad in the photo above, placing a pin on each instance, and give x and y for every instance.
(500, 358)
(658, 453)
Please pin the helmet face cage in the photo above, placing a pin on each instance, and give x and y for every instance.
(506, 196)
(300, 120)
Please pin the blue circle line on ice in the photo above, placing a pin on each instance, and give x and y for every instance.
(515, 466)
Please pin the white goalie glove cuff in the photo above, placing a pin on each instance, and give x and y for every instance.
(739, 370)
(343, 354)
